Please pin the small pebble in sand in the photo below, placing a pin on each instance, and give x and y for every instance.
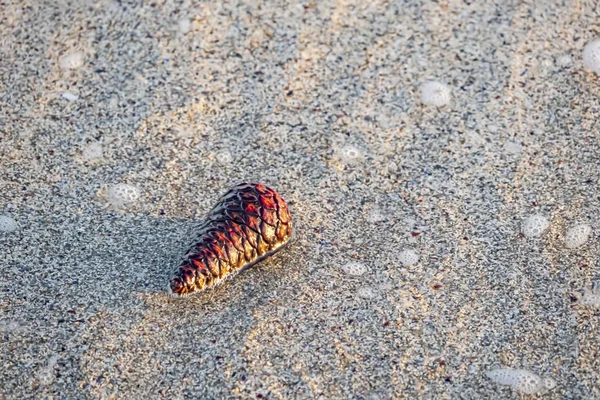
(521, 380)
(564, 60)
(69, 96)
(354, 268)
(435, 94)
(72, 60)
(122, 194)
(92, 152)
(591, 56)
(577, 235)
(534, 226)
(408, 257)
(224, 157)
(184, 25)
(513, 148)
(350, 155)
(7, 224)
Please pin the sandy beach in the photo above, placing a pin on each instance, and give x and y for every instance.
(320, 100)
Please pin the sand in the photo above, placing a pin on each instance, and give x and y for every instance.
(321, 101)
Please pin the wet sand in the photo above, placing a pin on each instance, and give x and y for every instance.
(321, 101)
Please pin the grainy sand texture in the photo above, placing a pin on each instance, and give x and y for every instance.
(320, 100)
